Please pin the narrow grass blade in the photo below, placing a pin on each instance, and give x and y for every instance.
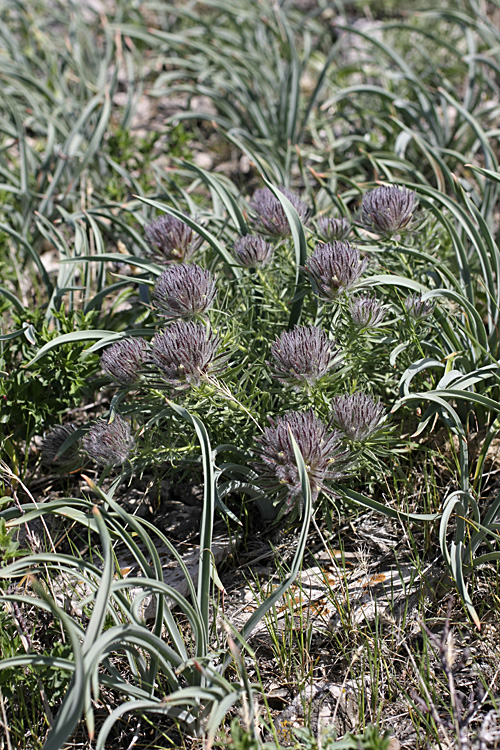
(228, 199)
(71, 709)
(371, 504)
(207, 518)
(300, 246)
(68, 338)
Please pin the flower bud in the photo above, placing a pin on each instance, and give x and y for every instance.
(183, 291)
(324, 456)
(334, 267)
(303, 356)
(109, 443)
(171, 240)
(387, 209)
(252, 251)
(123, 360)
(271, 217)
(334, 229)
(357, 415)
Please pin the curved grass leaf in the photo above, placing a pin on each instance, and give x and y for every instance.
(71, 709)
(68, 338)
(368, 502)
(207, 518)
(228, 199)
(300, 246)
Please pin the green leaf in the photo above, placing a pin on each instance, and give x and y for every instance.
(69, 338)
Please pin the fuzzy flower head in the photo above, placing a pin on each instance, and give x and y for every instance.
(52, 444)
(271, 218)
(366, 311)
(324, 456)
(334, 229)
(109, 443)
(357, 415)
(123, 360)
(171, 240)
(418, 308)
(252, 251)
(303, 356)
(184, 353)
(334, 267)
(183, 291)
(387, 210)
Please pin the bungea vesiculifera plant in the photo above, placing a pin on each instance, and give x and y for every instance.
(335, 267)
(252, 251)
(270, 217)
(366, 311)
(109, 443)
(436, 282)
(123, 361)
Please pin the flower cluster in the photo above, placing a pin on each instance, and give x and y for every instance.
(334, 267)
(366, 311)
(387, 209)
(357, 415)
(183, 291)
(417, 307)
(123, 360)
(54, 441)
(184, 353)
(334, 229)
(324, 456)
(109, 443)
(171, 240)
(303, 355)
(252, 251)
(271, 218)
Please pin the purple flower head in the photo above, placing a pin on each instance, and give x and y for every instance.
(171, 240)
(334, 267)
(324, 456)
(334, 229)
(123, 360)
(366, 311)
(303, 355)
(387, 210)
(418, 308)
(183, 291)
(54, 441)
(357, 415)
(271, 218)
(109, 443)
(252, 251)
(185, 352)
